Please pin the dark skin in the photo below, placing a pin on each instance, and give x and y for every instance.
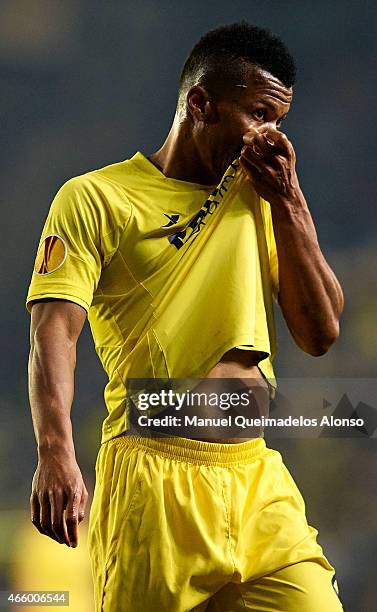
(207, 134)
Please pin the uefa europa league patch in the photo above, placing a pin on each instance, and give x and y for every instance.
(51, 255)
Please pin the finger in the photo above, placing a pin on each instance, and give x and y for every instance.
(71, 517)
(266, 131)
(58, 525)
(259, 146)
(266, 167)
(252, 136)
(253, 157)
(82, 506)
(45, 515)
(251, 133)
(252, 171)
(266, 164)
(270, 142)
(35, 512)
(278, 142)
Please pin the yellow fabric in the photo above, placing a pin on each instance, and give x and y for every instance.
(179, 525)
(172, 275)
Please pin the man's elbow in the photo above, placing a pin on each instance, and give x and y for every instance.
(321, 343)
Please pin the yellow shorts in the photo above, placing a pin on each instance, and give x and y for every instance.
(178, 525)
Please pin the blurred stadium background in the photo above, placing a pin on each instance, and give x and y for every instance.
(87, 83)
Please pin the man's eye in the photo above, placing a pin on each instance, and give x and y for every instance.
(260, 113)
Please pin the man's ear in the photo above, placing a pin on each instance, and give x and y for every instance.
(200, 106)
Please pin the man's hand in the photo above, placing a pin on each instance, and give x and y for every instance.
(58, 497)
(269, 160)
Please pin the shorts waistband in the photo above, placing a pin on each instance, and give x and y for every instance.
(197, 451)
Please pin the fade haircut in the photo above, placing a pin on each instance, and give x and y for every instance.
(223, 57)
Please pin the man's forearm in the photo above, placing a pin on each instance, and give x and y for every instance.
(51, 384)
(310, 296)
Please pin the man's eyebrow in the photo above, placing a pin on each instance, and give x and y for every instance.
(270, 104)
(259, 100)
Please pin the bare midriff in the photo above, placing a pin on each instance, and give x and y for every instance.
(240, 364)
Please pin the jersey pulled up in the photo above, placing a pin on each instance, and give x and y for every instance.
(172, 274)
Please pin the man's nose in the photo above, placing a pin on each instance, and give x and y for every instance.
(271, 124)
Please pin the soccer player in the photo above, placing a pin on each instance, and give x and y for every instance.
(176, 259)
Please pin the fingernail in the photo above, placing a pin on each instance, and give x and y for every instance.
(270, 142)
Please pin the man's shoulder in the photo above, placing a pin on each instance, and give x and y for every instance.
(101, 185)
(129, 172)
(99, 194)
(115, 173)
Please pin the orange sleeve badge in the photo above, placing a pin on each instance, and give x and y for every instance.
(51, 255)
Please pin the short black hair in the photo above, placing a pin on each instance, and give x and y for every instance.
(227, 50)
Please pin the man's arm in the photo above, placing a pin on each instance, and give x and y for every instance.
(310, 296)
(58, 495)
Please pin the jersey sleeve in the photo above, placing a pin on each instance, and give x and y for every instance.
(70, 254)
(272, 251)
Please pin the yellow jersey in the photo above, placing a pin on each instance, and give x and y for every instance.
(172, 274)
